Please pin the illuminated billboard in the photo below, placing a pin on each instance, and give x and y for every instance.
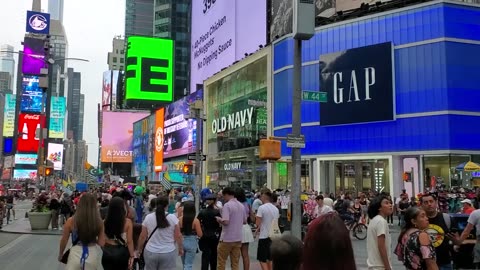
(55, 155)
(9, 115)
(33, 56)
(24, 174)
(159, 139)
(27, 136)
(179, 133)
(107, 90)
(25, 159)
(149, 69)
(115, 75)
(222, 33)
(117, 135)
(32, 94)
(57, 118)
(38, 22)
(141, 143)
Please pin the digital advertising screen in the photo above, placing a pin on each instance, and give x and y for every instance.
(26, 159)
(24, 174)
(141, 141)
(57, 118)
(149, 69)
(117, 135)
(179, 133)
(55, 155)
(115, 76)
(107, 90)
(9, 115)
(159, 139)
(222, 33)
(27, 136)
(32, 94)
(33, 56)
(7, 145)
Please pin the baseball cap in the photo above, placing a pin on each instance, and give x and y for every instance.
(467, 201)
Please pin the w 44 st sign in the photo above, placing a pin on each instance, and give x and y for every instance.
(314, 96)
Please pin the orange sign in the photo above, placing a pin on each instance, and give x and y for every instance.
(159, 135)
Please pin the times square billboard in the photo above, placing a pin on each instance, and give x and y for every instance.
(33, 59)
(222, 33)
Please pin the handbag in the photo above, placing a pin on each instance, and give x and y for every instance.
(274, 231)
(65, 255)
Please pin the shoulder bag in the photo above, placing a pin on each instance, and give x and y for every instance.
(274, 231)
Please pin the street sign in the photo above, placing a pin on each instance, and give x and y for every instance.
(194, 157)
(295, 141)
(314, 96)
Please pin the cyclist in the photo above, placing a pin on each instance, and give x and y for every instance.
(345, 209)
(10, 202)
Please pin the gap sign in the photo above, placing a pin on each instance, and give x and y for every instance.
(314, 96)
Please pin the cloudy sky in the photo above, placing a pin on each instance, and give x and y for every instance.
(90, 26)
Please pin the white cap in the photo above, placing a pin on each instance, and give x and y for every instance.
(467, 201)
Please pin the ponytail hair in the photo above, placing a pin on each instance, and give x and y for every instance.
(161, 203)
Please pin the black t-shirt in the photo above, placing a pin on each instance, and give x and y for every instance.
(403, 205)
(9, 199)
(209, 222)
(437, 231)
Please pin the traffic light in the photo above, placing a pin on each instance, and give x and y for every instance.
(48, 171)
(187, 168)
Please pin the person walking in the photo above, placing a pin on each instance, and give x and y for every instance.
(163, 234)
(211, 232)
(247, 236)
(54, 207)
(191, 231)
(378, 235)
(232, 220)
(87, 231)
(118, 252)
(267, 213)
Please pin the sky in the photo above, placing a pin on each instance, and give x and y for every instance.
(90, 26)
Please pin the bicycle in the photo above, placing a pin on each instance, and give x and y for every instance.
(358, 229)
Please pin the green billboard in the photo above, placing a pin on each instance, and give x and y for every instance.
(149, 69)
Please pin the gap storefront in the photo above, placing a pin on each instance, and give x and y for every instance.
(403, 92)
(236, 110)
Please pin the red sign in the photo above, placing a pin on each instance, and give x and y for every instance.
(27, 136)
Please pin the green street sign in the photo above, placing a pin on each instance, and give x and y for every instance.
(314, 96)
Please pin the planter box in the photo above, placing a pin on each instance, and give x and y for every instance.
(39, 220)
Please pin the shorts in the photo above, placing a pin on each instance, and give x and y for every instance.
(247, 236)
(476, 252)
(263, 251)
(9, 205)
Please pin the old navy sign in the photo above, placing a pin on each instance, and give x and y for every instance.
(360, 85)
(232, 121)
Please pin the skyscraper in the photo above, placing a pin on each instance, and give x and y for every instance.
(116, 58)
(55, 8)
(138, 18)
(5, 82)
(172, 21)
(59, 51)
(74, 100)
(7, 62)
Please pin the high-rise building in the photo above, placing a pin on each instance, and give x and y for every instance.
(81, 155)
(138, 18)
(5, 82)
(59, 51)
(7, 63)
(81, 116)
(172, 20)
(116, 58)
(55, 8)
(74, 123)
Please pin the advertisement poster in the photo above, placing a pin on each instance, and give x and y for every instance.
(359, 85)
(179, 133)
(33, 56)
(159, 139)
(117, 136)
(32, 95)
(114, 86)
(27, 136)
(23, 174)
(222, 33)
(55, 155)
(38, 23)
(107, 90)
(57, 118)
(26, 159)
(141, 141)
(9, 115)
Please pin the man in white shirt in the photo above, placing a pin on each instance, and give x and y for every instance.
(267, 213)
(321, 208)
(378, 236)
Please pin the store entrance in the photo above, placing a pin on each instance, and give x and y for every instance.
(361, 175)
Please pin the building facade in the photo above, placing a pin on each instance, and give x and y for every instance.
(59, 51)
(418, 116)
(5, 82)
(116, 58)
(74, 108)
(138, 18)
(172, 21)
(55, 8)
(7, 63)
(237, 118)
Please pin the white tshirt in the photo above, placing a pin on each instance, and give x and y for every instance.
(256, 204)
(322, 211)
(474, 219)
(267, 212)
(163, 240)
(377, 226)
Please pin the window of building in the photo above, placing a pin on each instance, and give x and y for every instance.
(122, 60)
(114, 59)
(121, 67)
(114, 66)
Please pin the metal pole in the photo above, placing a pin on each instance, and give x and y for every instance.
(198, 160)
(296, 131)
